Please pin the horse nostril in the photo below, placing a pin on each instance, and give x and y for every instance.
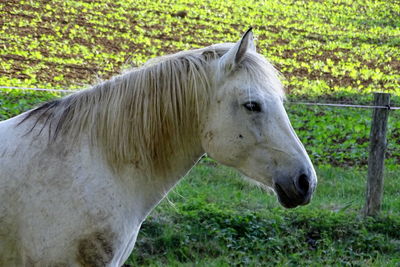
(303, 184)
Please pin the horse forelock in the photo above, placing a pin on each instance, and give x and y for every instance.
(148, 114)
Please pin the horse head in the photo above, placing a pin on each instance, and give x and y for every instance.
(246, 125)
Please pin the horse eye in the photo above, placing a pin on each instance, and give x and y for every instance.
(252, 106)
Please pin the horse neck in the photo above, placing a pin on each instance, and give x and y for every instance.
(147, 190)
(156, 121)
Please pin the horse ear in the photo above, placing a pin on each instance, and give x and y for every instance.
(236, 54)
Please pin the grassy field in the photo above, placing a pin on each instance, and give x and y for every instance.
(321, 47)
(335, 50)
(213, 218)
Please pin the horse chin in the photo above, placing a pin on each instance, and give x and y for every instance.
(287, 204)
(287, 201)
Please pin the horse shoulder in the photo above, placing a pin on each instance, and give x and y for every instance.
(97, 248)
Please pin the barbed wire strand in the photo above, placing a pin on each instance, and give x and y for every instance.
(343, 105)
(290, 103)
(37, 89)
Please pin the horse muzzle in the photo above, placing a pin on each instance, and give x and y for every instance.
(293, 192)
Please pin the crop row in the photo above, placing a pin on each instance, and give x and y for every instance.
(320, 47)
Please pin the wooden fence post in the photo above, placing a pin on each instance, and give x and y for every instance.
(377, 155)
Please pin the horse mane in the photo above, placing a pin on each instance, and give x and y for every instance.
(143, 116)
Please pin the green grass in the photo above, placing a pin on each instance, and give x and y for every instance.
(15, 102)
(340, 136)
(213, 218)
(338, 188)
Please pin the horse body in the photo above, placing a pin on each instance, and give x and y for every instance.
(66, 206)
(79, 175)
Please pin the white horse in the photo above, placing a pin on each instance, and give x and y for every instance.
(79, 175)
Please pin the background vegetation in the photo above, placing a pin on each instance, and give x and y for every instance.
(335, 50)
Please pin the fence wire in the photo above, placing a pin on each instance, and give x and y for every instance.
(37, 89)
(290, 103)
(344, 105)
